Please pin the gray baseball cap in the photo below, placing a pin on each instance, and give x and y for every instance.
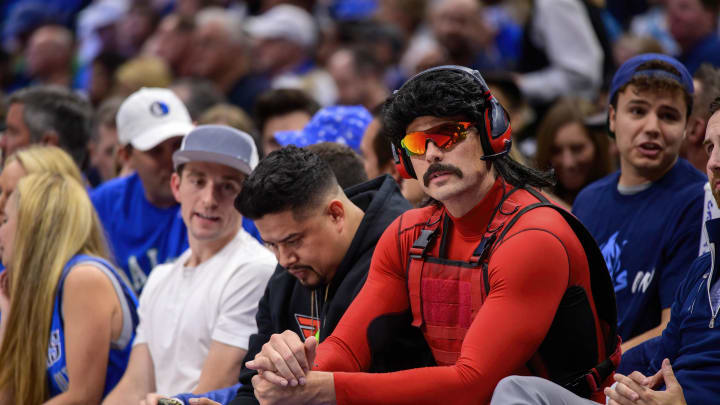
(218, 144)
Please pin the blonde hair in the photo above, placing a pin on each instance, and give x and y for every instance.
(44, 158)
(227, 114)
(55, 221)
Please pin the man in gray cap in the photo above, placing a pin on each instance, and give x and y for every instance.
(197, 313)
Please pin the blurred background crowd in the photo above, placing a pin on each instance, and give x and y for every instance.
(265, 66)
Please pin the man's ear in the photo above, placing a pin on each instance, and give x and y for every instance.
(336, 210)
(611, 118)
(696, 131)
(175, 185)
(124, 153)
(50, 137)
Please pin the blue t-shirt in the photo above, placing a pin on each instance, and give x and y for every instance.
(648, 239)
(140, 234)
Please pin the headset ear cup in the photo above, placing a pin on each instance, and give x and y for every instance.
(402, 163)
(497, 128)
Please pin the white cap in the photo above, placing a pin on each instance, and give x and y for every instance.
(150, 116)
(284, 21)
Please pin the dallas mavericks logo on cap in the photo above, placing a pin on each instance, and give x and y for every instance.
(159, 108)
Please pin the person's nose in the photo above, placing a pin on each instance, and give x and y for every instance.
(286, 257)
(433, 153)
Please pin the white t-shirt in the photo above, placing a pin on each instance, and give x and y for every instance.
(183, 309)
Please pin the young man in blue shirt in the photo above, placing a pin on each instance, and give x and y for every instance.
(646, 217)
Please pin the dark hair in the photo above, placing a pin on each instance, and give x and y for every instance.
(274, 103)
(715, 105)
(712, 6)
(291, 178)
(449, 93)
(345, 163)
(381, 144)
(656, 83)
(55, 108)
(709, 78)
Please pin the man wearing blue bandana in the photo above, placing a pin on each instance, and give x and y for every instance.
(646, 217)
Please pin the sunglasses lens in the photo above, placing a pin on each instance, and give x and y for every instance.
(444, 136)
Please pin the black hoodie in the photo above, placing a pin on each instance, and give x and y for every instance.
(286, 303)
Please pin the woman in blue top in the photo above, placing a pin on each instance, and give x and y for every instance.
(68, 317)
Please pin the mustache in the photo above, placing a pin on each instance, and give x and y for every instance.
(439, 167)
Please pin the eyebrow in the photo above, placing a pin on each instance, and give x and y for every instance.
(285, 239)
(647, 103)
(639, 101)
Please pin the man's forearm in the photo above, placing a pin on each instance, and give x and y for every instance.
(320, 388)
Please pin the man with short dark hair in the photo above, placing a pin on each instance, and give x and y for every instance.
(282, 110)
(324, 239)
(463, 270)
(650, 102)
(48, 115)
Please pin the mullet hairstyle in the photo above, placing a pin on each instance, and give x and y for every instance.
(291, 178)
(56, 221)
(449, 93)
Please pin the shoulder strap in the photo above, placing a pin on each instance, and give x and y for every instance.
(601, 285)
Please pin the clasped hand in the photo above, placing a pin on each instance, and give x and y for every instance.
(285, 360)
(636, 389)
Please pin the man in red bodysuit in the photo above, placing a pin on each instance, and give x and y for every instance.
(497, 288)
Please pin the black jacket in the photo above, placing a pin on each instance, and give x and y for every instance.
(286, 302)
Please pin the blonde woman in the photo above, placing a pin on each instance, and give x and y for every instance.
(35, 159)
(68, 318)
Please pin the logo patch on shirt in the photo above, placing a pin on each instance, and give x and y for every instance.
(307, 325)
(611, 251)
(54, 348)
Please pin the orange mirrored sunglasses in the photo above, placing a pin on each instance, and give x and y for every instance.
(444, 136)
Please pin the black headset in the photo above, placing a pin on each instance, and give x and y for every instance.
(497, 138)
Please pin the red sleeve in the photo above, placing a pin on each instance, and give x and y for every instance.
(528, 276)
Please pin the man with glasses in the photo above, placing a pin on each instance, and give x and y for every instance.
(497, 284)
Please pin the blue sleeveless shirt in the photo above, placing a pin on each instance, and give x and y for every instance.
(119, 351)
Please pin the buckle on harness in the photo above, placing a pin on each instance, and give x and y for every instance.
(483, 250)
(421, 245)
